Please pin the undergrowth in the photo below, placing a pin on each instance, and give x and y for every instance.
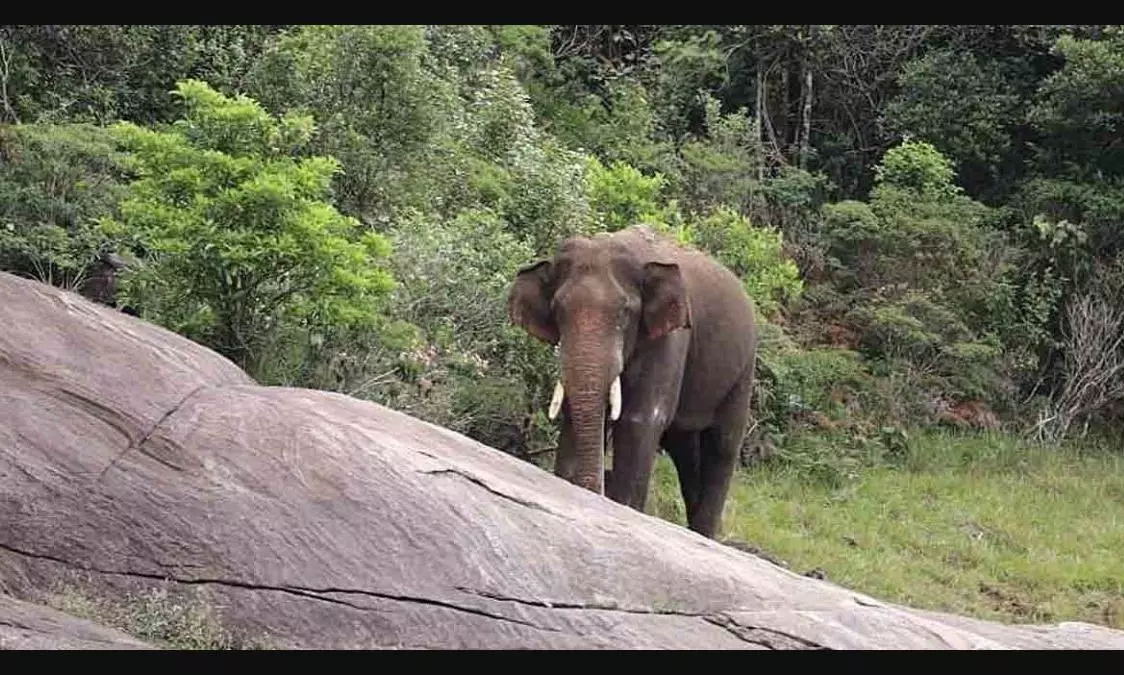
(981, 524)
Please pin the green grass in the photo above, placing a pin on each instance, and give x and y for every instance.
(976, 525)
(183, 620)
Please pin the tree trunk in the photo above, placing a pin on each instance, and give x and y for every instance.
(805, 118)
(758, 116)
(782, 124)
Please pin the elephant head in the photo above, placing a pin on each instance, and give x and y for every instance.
(596, 299)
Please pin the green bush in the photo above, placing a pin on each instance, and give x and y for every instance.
(928, 285)
(817, 380)
(962, 104)
(755, 254)
(919, 167)
(722, 166)
(380, 108)
(237, 236)
(56, 181)
(621, 195)
(928, 339)
(470, 371)
(426, 119)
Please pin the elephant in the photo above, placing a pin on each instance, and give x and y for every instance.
(663, 336)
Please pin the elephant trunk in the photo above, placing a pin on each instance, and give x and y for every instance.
(591, 366)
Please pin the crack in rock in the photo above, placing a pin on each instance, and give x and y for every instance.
(144, 439)
(94, 408)
(565, 604)
(301, 591)
(476, 481)
(765, 637)
(759, 635)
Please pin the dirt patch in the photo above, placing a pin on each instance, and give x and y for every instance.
(754, 550)
(1010, 603)
(970, 415)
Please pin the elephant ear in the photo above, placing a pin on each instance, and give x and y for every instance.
(666, 307)
(528, 303)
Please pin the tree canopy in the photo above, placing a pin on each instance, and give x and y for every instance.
(928, 217)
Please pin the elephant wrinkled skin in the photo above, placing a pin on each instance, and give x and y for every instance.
(663, 339)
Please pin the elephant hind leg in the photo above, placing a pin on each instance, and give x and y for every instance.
(683, 446)
(718, 456)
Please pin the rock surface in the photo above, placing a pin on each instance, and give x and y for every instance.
(130, 456)
(24, 625)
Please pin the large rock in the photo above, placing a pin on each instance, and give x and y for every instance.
(24, 625)
(132, 457)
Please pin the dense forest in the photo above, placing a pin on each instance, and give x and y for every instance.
(928, 217)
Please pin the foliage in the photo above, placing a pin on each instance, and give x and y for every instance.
(754, 254)
(976, 524)
(425, 119)
(56, 181)
(236, 230)
(469, 370)
(378, 114)
(101, 73)
(1078, 108)
(815, 388)
(913, 208)
(917, 167)
(621, 195)
(929, 291)
(721, 165)
(963, 105)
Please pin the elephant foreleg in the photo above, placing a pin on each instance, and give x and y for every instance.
(634, 454)
(718, 456)
(650, 389)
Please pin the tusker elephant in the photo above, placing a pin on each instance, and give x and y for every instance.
(658, 346)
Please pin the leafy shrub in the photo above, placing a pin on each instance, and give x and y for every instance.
(56, 181)
(621, 195)
(1077, 111)
(721, 167)
(927, 287)
(380, 108)
(817, 380)
(754, 254)
(470, 371)
(236, 231)
(919, 167)
(426, 119)
(963, 105)
(101, 73)
(550, 202)
(852, 236)
(935, 342)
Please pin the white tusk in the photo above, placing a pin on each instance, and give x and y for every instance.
(556, 401)
(615, 399)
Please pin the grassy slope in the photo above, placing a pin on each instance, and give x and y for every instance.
(976, 525)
